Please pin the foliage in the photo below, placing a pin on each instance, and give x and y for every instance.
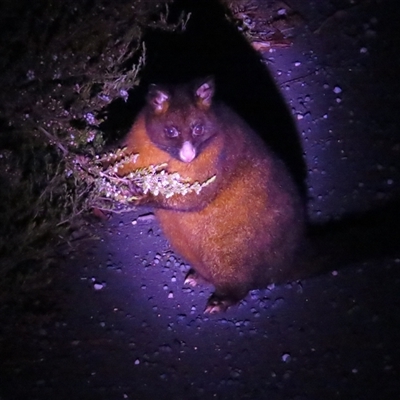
(113, 188)
(63, 64)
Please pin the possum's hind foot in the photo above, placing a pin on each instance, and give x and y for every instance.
(218, 302)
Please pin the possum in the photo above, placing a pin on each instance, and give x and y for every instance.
(244, 230)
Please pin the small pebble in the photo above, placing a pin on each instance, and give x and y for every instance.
(98, 286)
(337, 90)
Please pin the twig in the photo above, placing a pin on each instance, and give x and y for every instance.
(298, 78)
(55, 140)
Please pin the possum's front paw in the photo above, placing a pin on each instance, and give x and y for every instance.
(192, 278)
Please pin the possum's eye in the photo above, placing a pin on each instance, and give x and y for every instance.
(198, 130)
(171, 132)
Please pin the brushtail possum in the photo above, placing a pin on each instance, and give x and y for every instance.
(244, 230)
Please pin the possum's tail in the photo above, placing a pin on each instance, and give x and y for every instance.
(369, 236)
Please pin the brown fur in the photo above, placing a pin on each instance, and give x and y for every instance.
(242, 231)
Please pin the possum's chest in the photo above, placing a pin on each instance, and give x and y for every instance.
(184, 228)
(194, 233)
(186, 231)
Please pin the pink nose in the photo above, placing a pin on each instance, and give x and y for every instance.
(187, 152)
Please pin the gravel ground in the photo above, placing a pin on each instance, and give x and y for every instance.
(122, 326)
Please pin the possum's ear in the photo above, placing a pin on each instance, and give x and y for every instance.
(204, 92)
(158, 98)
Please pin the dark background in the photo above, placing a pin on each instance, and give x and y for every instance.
(123, 327)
